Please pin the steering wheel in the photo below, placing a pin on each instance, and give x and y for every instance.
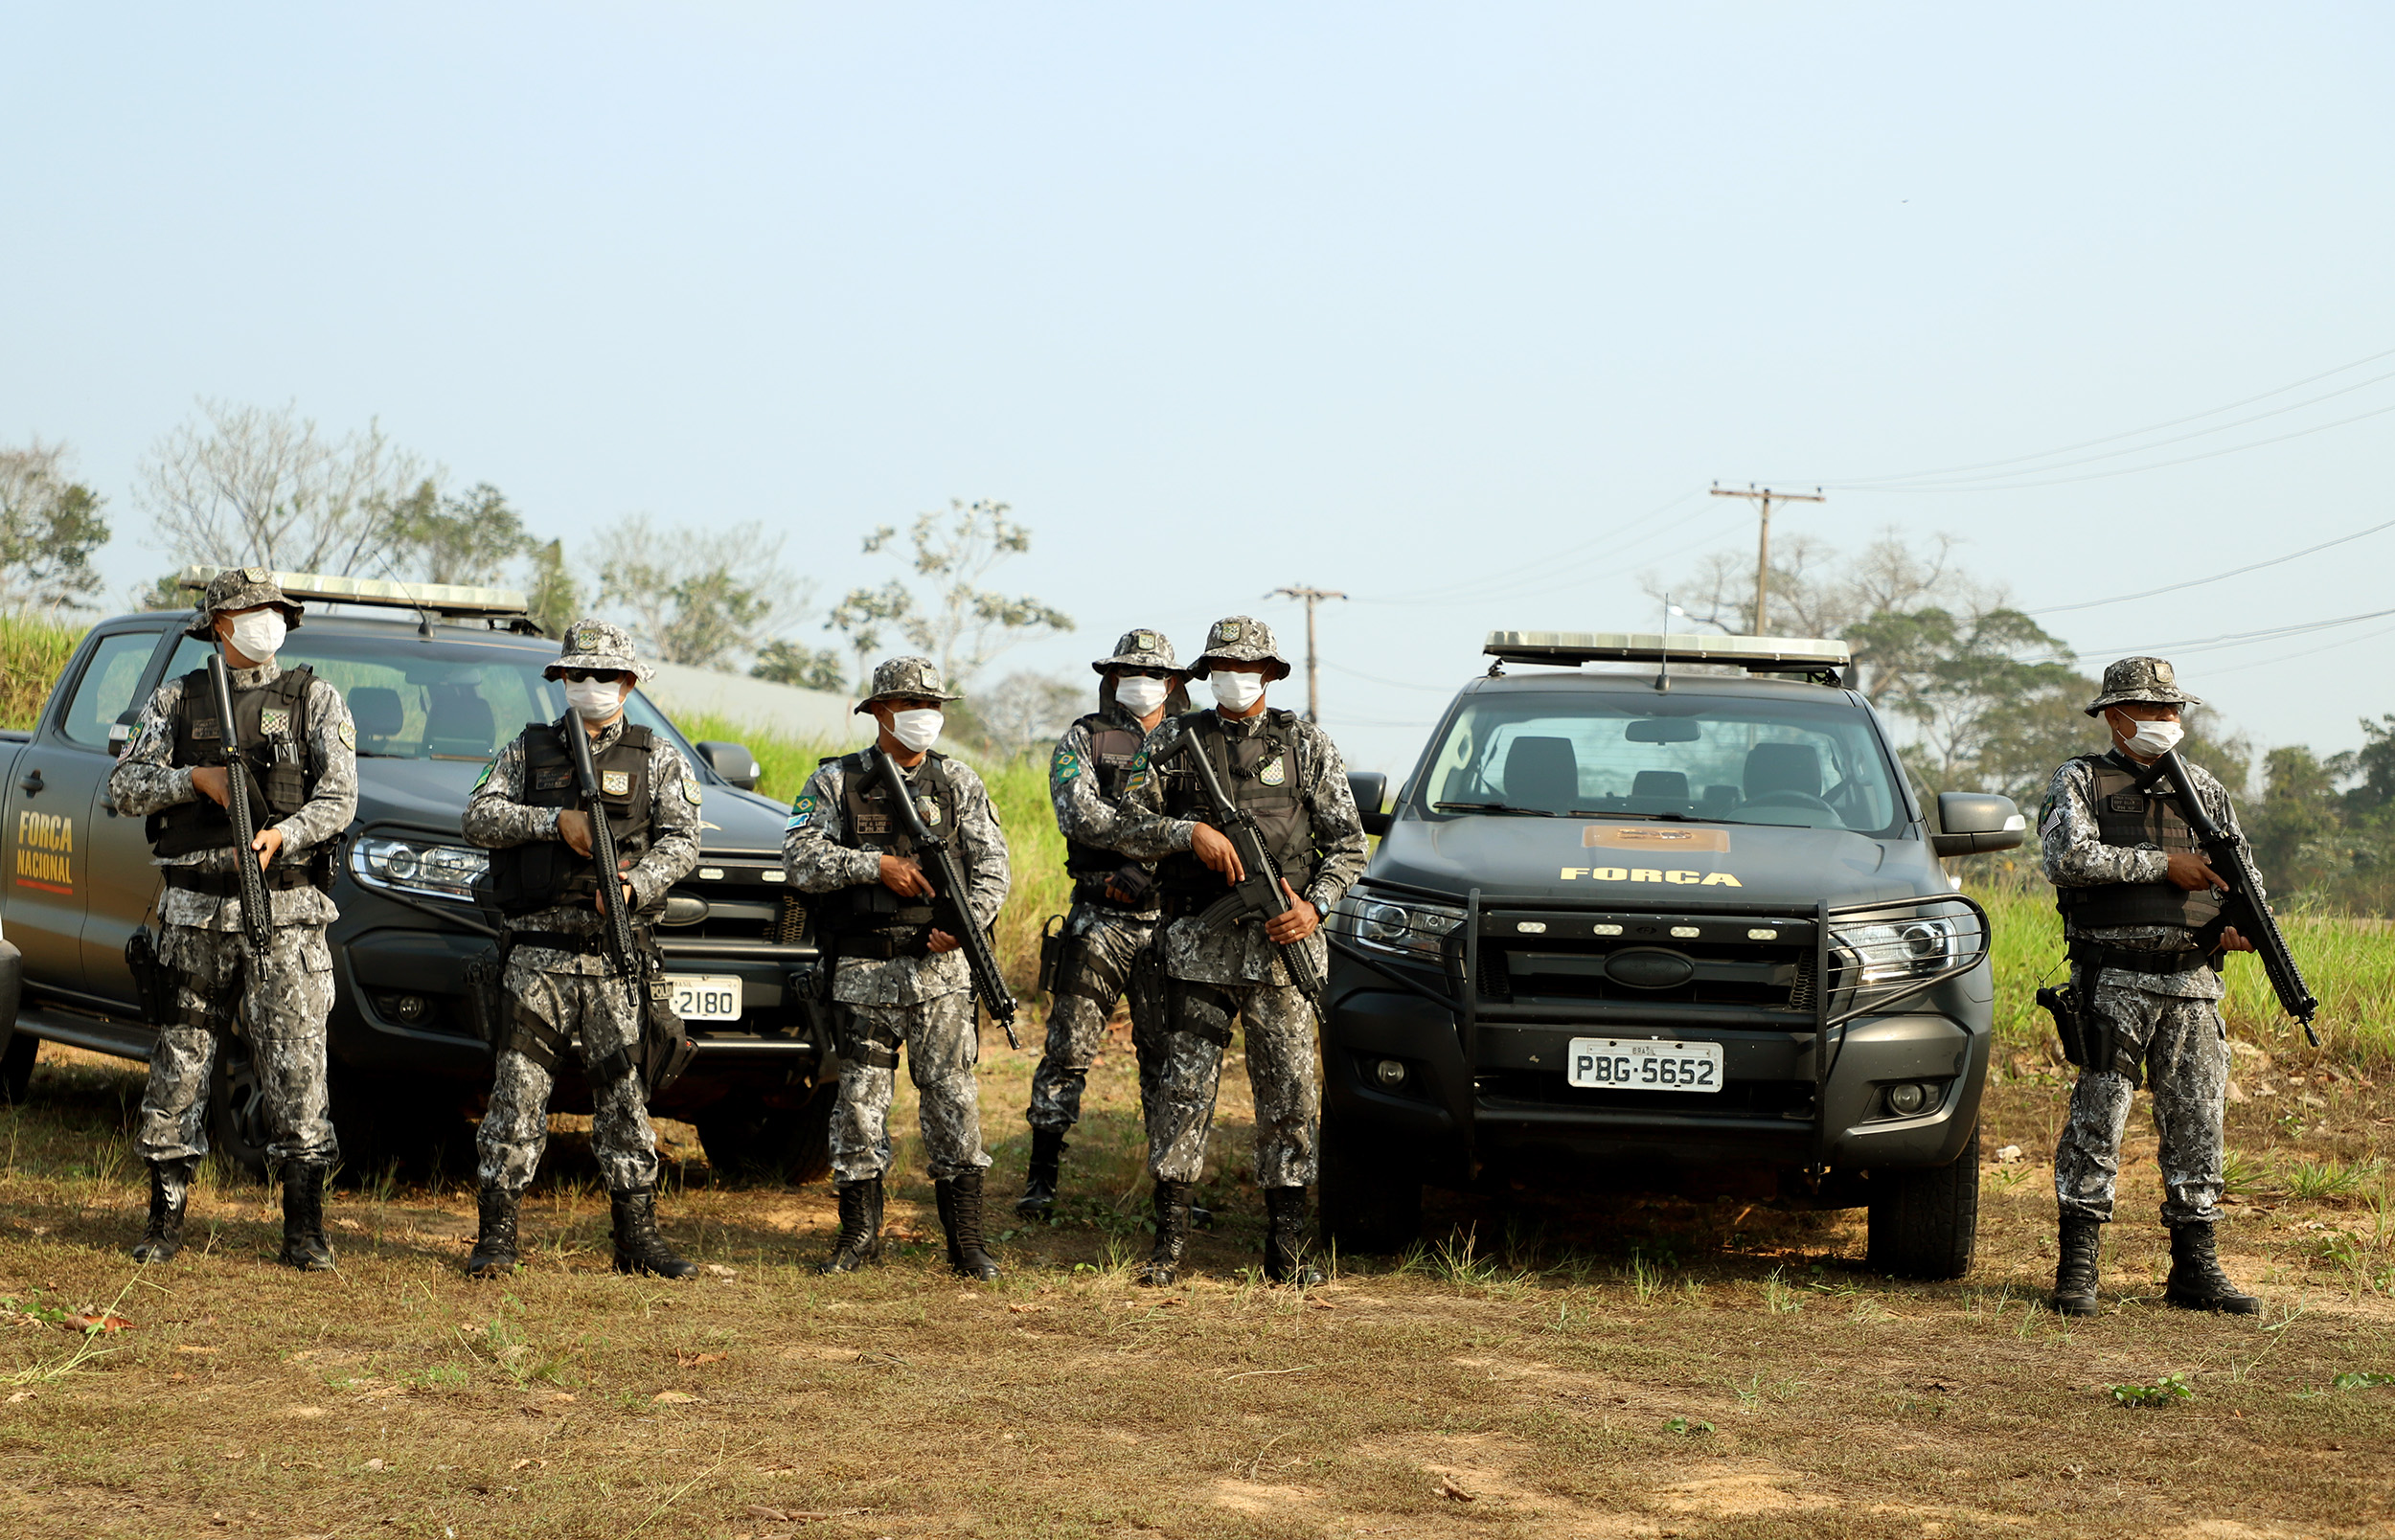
(1789, 798)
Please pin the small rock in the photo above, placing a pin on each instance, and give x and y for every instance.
(2008, 1154)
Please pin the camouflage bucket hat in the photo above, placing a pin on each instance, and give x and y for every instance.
(2148, 680)
(239, 588)
(598, 644)
(900, 678)
(1239, 639)
(1141, 649)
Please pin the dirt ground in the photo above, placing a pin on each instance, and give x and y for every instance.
(1548, 1366)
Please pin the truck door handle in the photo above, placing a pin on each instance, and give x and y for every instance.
(32, 783)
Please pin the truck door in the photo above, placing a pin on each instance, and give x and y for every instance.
(45, 829)
(124, 886)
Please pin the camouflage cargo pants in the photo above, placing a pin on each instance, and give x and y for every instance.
(280, 1002)
(942, 1043)
(1110, 953)
(1281, 1066)
(2183, 1049)
(553, 1009)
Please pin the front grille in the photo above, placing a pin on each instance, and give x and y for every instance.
(745, 900)
(1755, 976)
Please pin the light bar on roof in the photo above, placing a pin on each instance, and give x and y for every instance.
(442, 599)
(1758, 654)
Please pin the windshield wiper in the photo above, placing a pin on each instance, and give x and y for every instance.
(1491, 807)
(1674, 818)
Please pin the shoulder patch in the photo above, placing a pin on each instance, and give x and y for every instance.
(349, 739)
(691, 793)
(480, 781)
(1066, 767)
(801, 811)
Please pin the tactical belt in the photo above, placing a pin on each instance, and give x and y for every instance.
(228, 884)
(591, 945)
(2131, 959)
(884, 945)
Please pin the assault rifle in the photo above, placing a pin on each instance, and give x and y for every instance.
(2241, 905)
(1259, 893)
(951, 912)
(630, 965)
(257, 922)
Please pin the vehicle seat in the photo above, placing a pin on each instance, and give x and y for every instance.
(458, 722)
(376, 711)
(1718, 800)
(1542, 773)
(1783, 767)
(1659, 786)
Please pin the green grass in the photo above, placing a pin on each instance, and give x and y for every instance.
(2350, 965)
(32, 650)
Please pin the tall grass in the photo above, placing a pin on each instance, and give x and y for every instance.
(32, 650)
(1018, 790)
(2350, 965)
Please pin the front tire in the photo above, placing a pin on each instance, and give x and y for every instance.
(1924, 1224)
(1370, 1199)
(745, 1139)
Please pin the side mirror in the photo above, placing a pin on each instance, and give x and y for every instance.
(1370, 789)
(732, 762)
(1972, 822)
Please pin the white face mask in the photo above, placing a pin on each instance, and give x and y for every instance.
(1140, 695)
(259, 634)
(1235, 691)
(917, 730)
(594, 700)
(2154, 740)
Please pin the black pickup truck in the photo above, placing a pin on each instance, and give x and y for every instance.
(438, 678)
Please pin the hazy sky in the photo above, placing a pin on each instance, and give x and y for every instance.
(1458, 310)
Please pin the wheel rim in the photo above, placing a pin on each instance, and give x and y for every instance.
(241, 1104)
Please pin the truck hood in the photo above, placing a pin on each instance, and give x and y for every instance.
(1642, 863)
(431, 794)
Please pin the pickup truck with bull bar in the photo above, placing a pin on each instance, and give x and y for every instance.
(438, 678)
(1669, 932)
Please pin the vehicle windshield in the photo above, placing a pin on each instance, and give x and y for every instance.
(435, 700)
(1723, 758)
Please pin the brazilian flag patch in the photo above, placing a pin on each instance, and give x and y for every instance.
(1067, 766)
(801, 810)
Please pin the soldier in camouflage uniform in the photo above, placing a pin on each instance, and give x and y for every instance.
(2136, 898)
(898, 982)
(301, 752)
(1107, 938)
(563, 985)
(1288, 775)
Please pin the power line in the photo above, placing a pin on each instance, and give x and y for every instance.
(2231, 639)
(2291, 657)
(1764, 497)
(1311, 596)
(2199, 582)
(2113, 438)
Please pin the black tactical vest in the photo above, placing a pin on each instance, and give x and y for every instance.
(1112, 747)
(1262, 775)
(543, 874)
(272, 726)
(2129, 818)
(868, 824)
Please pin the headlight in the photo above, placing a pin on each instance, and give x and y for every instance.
(1892, 952)
(1409, 927)
(419, 866)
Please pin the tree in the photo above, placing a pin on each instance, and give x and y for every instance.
(552, 595)
(700, 600)
(786, 663)
(243, 485)
(1027, 712)
(957, 623)
(466, 537)
(49, 527)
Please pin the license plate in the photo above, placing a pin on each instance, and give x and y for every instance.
(1643, 1064)
(705, 999)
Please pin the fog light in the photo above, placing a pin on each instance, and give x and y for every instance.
(408, 1008)
(1907, 1099)
(1389, 1071)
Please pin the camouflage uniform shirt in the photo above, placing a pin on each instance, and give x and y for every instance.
(146, 781)
(495, 818)
(2076, 856)
(1244, 954)
(817, 861)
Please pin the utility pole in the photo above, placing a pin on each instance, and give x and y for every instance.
(1765, 497)
(1312, 597)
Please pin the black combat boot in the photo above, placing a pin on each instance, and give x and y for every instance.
(861, 1227)
(960, 1215)
(2075, 1271)
(303, 1243)
(494, 1248)
(639, 1246)
(2197, 1281)
(170, 1197)
(1172, 1211)
(1039, 1178)
(1286, 1239)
